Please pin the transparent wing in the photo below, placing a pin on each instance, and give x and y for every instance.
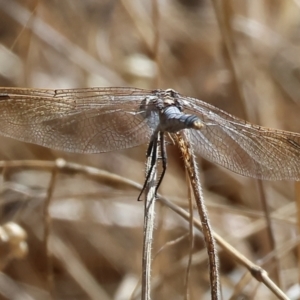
(242, 147)
(83, 120)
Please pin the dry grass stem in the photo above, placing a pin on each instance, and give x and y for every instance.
(241, 57)
(189, 159)
(149, 221)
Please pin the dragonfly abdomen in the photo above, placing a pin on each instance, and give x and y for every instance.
(173, 120)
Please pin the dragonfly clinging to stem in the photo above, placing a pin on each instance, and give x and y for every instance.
(94, 120)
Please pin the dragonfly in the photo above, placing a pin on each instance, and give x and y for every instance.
(94, 120)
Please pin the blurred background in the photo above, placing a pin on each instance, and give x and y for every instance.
(241, 56)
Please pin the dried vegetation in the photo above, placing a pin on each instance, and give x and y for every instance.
(242, 56)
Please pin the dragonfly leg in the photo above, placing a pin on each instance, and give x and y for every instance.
(151, 151)
(164, 160)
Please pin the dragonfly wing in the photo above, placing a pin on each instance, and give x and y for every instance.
(244, 148)
(83, 121)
